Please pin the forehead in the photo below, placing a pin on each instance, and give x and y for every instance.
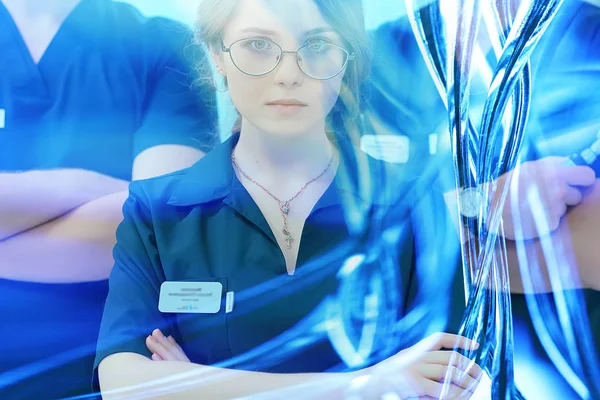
(284, 17)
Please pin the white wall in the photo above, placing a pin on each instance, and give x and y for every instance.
(376, 11)
(180, 10)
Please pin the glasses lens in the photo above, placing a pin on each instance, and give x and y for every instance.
(322, 60)
(255, 56)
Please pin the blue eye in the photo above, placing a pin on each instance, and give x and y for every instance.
(317, 45)
(259, 44)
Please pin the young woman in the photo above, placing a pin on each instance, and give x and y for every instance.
(228, 257)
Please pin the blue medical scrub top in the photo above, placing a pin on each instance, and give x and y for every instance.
(565, 111)
(564, 118)
(111, 84)
(201, 225)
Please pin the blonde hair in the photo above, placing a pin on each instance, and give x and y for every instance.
(346, 18)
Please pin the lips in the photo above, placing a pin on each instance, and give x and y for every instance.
(287, 102)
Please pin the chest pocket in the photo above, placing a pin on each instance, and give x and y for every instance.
(203, 336)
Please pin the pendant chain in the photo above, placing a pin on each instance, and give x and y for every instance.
(284, 206)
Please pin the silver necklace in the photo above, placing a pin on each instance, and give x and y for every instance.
(284, 206)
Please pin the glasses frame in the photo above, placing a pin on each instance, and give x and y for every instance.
(349, 57)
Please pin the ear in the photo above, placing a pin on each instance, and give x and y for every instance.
(216, 55)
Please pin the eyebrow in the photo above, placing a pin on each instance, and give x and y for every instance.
(272, 33)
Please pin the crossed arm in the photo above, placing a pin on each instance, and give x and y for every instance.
(414, 372)
(569, 201)
(130, 374)
(59, 225)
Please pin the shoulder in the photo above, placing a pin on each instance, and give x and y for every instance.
(577, 29)
(591, 22)
(396, 33)
(148, 199)
(157, 191)
(128, 15)
(128, 26)
(207, 180)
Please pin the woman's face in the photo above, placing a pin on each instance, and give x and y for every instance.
(285, 101)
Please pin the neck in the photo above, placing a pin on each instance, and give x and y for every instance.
(269, 157)
(37, 8)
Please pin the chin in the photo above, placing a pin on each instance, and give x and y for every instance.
(286, 128)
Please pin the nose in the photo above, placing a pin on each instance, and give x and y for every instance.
(288, 72)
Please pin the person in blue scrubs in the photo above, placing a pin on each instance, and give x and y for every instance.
(237, 272)
(564, 119)
(92, 96)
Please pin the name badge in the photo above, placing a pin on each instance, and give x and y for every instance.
(2, 118)
(389, 148)
(190, 297)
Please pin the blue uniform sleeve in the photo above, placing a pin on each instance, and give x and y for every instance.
(176, 109)
(131, 310)
(437, 282)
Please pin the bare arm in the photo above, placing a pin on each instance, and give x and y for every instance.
(179, 381)
(73, 236)
(558, 187)
(33, 198)
(578, 231)
(76, 247)
(413, 372)
(30, 199)
(164, 159)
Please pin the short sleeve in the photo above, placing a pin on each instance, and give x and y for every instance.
(131, 310)
(437, 281)
(175, 109)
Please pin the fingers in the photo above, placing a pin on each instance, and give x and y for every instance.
(163, 348)
(447, 390)
(160, 347)
(554, 206)
(158, 350)
(178, 350)
(452, 358)
(557, 212)
(573, 196)
(579, 175)
(443, 340)
(441, 373)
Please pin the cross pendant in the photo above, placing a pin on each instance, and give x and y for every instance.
(289, 241)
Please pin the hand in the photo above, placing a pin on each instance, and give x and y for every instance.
(165, 348)
(426, 371)
(556, 184)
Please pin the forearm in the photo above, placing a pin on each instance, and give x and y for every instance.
(75, 247)
(30, 199)
(577, 234)
(120, 373)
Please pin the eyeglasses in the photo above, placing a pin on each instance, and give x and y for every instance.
(317, 59)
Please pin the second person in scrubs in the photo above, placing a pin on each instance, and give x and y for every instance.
(92, 96)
